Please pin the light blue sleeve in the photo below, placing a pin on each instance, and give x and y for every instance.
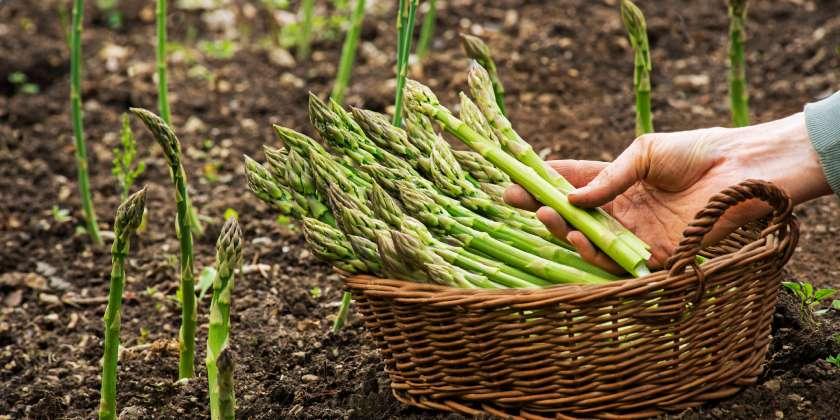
(822, 120)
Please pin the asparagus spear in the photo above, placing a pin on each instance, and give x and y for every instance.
(129, 216)
(330, 244)
(311, 149)
(387, 209)
(477, 50)
(421, 99)
(348, 51)
(263, 185)
(738, 97)
(415, 253)
(78, 125)
(227, 401)
(228, 258)
(480, 169)
(421, 132)
(172, 152)
(300, 178)
(634, 23)
(406, 11)
(379, 129)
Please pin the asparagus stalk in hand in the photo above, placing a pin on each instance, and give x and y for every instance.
(172, 152)
(228, 258)
(629, 257)
(129, 216)
(480, 169)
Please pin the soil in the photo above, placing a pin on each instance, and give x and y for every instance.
(568, 76)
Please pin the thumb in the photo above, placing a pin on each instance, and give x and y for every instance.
(630, 167)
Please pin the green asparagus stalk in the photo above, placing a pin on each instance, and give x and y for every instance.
(129, 216)
(634, 23)
(393, 265)
(348, 52)
(275, 159)
(387, 209)
(172, 152)
(301, 179)
(227, 401)
(738, 97)
(427, 30)
(366, 251)
(416, 254)
(379, 129)
(477, 50)
(311, 149)
(263, 185)
(480, 169)
(421, 99)
(405, 29)
(307, 8)
(78, 125)
(330, 244)
(420, 130)
(228, 258)
(343, 311)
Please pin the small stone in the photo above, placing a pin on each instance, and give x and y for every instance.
(691, 81)
(773, 385)
(44, 269)
(281, 57)
(194, 125)
(309, 378)
(49, 299)
(779, 414)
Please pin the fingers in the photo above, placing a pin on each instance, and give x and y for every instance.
(559, 228)
(630, 167)
(578, 172)
(517, 196)
(591, 254)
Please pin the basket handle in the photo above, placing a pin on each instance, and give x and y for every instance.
(686, 253)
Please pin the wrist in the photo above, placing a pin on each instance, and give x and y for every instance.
(781, 152)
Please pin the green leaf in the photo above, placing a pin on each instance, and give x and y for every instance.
(835, 304)
(821, 294)
(205, 280)
(60, 215)
(807, 290)
(793, 286)
(315, 292)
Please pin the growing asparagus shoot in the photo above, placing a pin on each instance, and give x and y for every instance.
(307, 11)
(228, 258)
(172, 153)
(634, 24)
(738, 96)
(227, 400)
(126, 168)
(129, 216)
(78, 125)
(427, 30)
(406, 11)
(348, 52)
(477, 50)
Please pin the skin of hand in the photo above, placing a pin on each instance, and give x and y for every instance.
(658, 184)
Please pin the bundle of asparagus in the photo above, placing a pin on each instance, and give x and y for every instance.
(400, 202)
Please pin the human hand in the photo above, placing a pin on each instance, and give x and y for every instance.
(658, 184)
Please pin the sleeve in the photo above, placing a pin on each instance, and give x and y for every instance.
(822, 120)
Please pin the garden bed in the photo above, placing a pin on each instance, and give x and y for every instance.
(567, 71)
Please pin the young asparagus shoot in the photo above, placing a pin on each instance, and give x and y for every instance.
(227, 400)
(78, 125)
(634, 23)
(477, 50)
(628, 255)
(172, 153)
(126, 166)
(129, 216)
(163, 84)
(738, 96)
(348, 52)
(228, 259)
(307, 12)
(343, 311)
(427, 30)
(406, 11)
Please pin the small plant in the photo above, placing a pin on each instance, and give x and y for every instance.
(78, 126)
(348, 52)
(59, 214)
(222, 49)
(477, 50)
(427, 30)
(126, 168)
(111, 11)
(307, 11)
(806, 293)
(634, 23)
(228, 259)
(129, 216)
(834, 360)
(172, 152)
(738, 96)
(405, 29)
(21, 83)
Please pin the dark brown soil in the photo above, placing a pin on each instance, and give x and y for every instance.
(567, 71)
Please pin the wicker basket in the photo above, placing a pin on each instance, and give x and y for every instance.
(631, 348)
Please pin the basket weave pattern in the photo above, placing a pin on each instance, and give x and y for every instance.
(629, 348)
